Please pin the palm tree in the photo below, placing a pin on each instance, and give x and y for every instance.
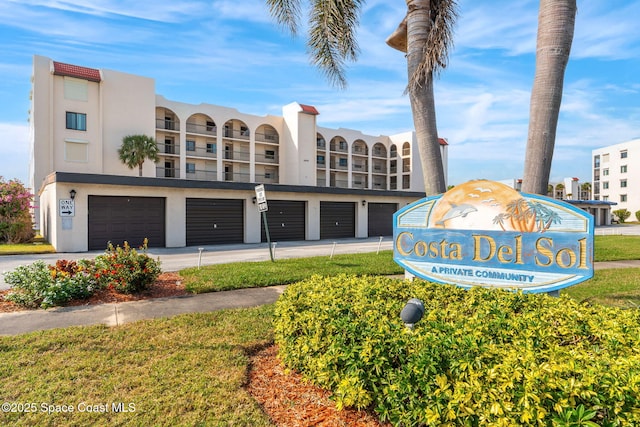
(586, 188)
(135, 149)
(556, 20)
(425, 35)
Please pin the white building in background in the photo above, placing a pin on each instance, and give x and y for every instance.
(616, 175)
(320, 182)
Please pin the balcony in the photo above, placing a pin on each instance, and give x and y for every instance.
(167, 172)
(268, 138)
(381, 169)
(267, 158)
(339, 148)
(167, 124)
(203, 175)
(267, 178)
(201, 129)
(339, 183)
(379, 153)
(209, 152)
(359, 167)
(168, 149)
(236, 133)
(242, 156)
(359, 151)
(320, 143)
(236, 177)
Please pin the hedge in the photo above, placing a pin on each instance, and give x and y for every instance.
(477, 358)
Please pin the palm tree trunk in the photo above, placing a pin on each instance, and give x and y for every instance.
(556, 21)
(422, 99)
(139, 169)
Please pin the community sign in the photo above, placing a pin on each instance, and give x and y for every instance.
(485, 233)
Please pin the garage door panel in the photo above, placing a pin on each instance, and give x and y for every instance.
(380, 218)
(215, 221)
(286, 220)
(337, 220)
(117, 219)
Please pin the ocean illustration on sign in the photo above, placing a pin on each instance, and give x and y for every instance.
(488, 234)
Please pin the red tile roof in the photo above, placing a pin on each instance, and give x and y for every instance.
(443, 141)
(62, 69)
(309, 109)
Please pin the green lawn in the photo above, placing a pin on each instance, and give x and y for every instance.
(26, 248)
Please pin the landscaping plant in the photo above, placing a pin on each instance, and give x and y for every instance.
(15, 220)
(482, 357)
(125, 269)
(121, 268)
(622, 215)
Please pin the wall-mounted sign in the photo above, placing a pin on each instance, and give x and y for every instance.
(484, 233)
(67, 207)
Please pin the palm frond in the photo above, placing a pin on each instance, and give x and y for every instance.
(332, 36)
(286, 13)
(438, 44)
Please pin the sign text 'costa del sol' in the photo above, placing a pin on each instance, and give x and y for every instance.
(484, 233)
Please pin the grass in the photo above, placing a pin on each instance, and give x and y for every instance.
(186, 370)
(238, 275)
(26, 248)
(616, 248)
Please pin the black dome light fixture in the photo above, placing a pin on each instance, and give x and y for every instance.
(412, 312)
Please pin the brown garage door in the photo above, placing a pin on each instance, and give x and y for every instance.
(380, 217)
(118, 219)
(286, 219)
(337, 220)
(215, 221)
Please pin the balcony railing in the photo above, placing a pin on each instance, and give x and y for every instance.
(379, 168)
(267, 178)
(167, 124)
(203, 175)
(379, 153)
(168, 148)
(339, 183)
(236, 177)
(338, 166)
(236, 133)
(201, 129)
(202, 152)
(337, 148)
(267, 137)
(243, 156)
(167, 172)
(359, 184)
(361, 151)
(267, 158)
(359, 167)
(320, 143)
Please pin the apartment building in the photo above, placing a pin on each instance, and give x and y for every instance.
(616, 175)
(321, 183)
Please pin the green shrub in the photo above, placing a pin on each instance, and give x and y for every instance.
(125, 269)
(478, 357)
(15, 220)
(622, 214)
(638, 215)
(42, 285)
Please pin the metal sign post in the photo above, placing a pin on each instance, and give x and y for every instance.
(261, 200)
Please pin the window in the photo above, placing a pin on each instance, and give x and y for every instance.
(244, 131)
(191, 146)
(76, 121)
(605, 185)
(623, 154)
(605, 172)
(191, 168)
(211, 147)
(320, 160)
(270, 154)
(623, 183)
(623, 169)
(342, 162)
(623, 197)
(605, 198)
(605, 158)
(343, 145)
(596, 161)
(210, 126)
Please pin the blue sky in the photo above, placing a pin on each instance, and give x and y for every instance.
(231, 53)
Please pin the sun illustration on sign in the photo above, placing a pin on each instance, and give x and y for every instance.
(490, 205)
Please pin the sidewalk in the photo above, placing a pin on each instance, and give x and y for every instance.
(120, 313)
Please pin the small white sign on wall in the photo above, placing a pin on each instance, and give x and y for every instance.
(67, 207)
